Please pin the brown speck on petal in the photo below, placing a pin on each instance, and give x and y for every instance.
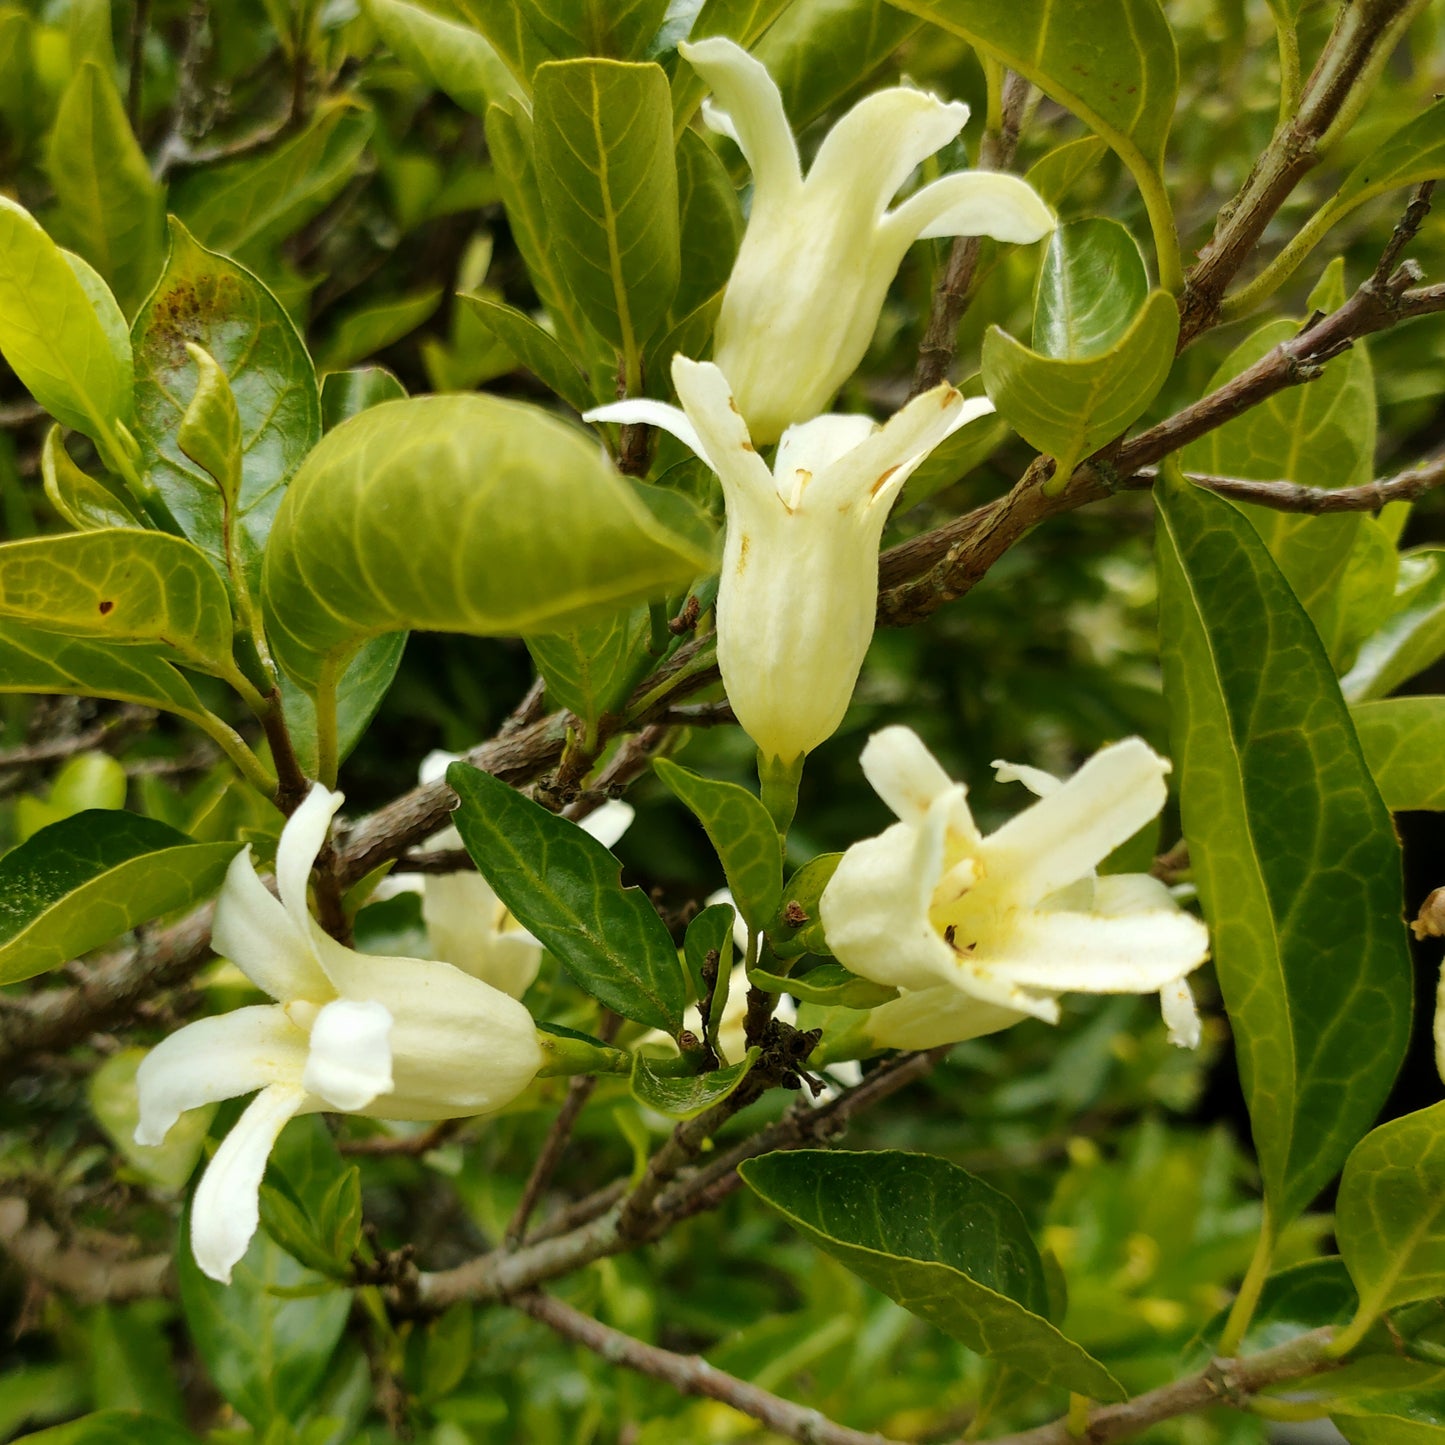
(879, 484)
(747, 446)
(743, 553)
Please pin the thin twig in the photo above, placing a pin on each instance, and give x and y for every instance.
(91, 1270)
(692, 1375)
(411, 1146)
(110, 729)
(954, 289)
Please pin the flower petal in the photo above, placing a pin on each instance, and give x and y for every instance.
(1181, 1017)
(213, 1059)
(256, 932)
(873, 473)
(1060, 838)
(725, 443)
(970, 203)
(301, 841)
(1036, 780)
(927, 1018)
(349, 1063)
(1088, 953)
(907, 776)
(434, 766)
(462, 916)
(879, 143)
(750, 110)
(875, 907)
(226, 1207)
(812, 446)
(652, 413)
(609, 822)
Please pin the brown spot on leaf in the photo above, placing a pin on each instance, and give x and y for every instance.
(106, 605)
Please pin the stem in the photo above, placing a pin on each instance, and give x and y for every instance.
(779, 783)
(1289, 77)
(1161, 222)
(1245, 1301)
(1284, 265)
(1354, 1332)
(234, 746)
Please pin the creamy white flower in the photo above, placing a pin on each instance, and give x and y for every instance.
(396, 1038)
(819, 253)
(798, 589)
(978, 932)
(466, 923)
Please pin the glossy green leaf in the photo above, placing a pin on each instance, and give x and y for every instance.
(364, 332)
(940, 1242)
(266, 1352)
(120, 586)
(710, 225)
(1389, 1429)
(454, 58)
(819, 50)
(1390, 1214)
(1322, 435)
(110, 207)
(210, 429)
(1292, 849)
(1412, 635)
(245, 207)
(111, 1093)
(711, 931)
(685, 1098)
(88, 505)
(1403, 739)
(592, 670)
(619, 29)
(205, 299)
(1091, 286)
(1414, 153)
(563, 886)
(608, 182)
(1068, 407)
(86, 880)
(539, 351)
(1121, 79)
(804, 889)
(1293, 1302)
(1055, 174)
(506, 28)
(741, 833)
(516, 524)
(113, 1427)
(346, 393)
(73, 358)
(829, 984)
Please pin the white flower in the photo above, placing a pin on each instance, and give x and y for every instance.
(799, 584)
(396, 1038)
(979, 932)
(819, 254)
(467, 924)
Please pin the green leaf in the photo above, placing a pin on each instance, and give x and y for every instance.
(710, 224)
(941, 1243)
(210, 430)
(828, 984)
(742, 834)
(110, 207)
(1414, 153)
(346, 393)
(73, 358)
(741, 20)
(1055, 174)
(592, 670)
(506, 27)
(1121, 84)
(452, 57)
(1388, 1429)
(1293, 851)
(207, 300)
(88, 505)
(244, 208)
(540, 352)
(113, 1427)
(1091, 286)
(1411, 637)
(1322, 435)
(608, 182)
(620, 29)
(1403, 739)
(265, 1352)
(1069, 407)
(710, 931)
(1293, 1302)
(819, 51)
(361, 691)
(685, 1098)
(111, 1093)
(81, 882)
(364, 332)
(1390, 1214)
(120, 586)
(515, 524)
(805, 889)
(563, 886)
